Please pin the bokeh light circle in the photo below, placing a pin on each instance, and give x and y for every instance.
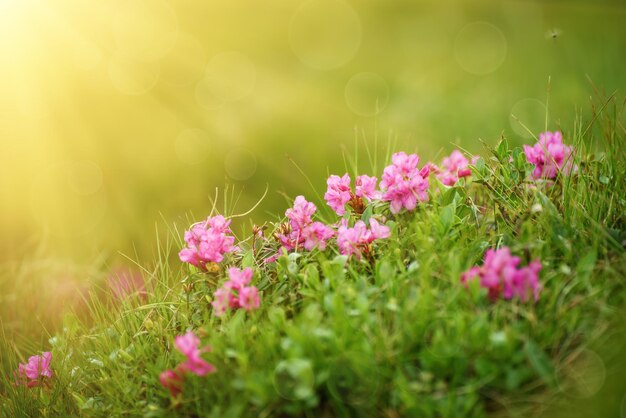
(240, 164)
(132, 77)
(144, 29)
(84, 177)
(480, 48)
(325, 34)
(366, 94)
(184, 63)
(529, 112)
(583, 377)
(229, 76)
(192, 146)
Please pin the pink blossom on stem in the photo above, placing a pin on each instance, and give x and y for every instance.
(549, 156)
(173, 381)
(35, 370)
(208, 241)
(239, 278)
(454, 167)
(403, 184)
(338, 193)
(249, 298)
(235, 292)
(365, 186)
(502, 276)
(356, 240)
(316, 235)
(301, 213)
(221, 301)
(302, 232)
(189, 345)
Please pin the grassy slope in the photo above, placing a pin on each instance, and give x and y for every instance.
(400, 337)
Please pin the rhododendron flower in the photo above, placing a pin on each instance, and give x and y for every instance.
(549, 156)
(403, 184)
(208, 241)
(301, 213)
(339, 194)
(189, 346)
(365, 186)
(249, 298)
(239, 278)
(221, 301)
(302, 231)
(454, 167)
(36, 369)
(357, 240)
(316, 235)
(501, 275)
(235, 293)
(173, 381)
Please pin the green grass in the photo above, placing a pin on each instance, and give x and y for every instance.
(399, 336)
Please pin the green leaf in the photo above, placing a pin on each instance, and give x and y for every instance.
(367, 214)
(585, 267)
(248, 260)
(540, 363)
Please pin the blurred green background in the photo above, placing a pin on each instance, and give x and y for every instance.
(120, 116)
(115, 112)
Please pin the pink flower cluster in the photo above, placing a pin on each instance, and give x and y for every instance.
(35, 371)
(235, 293)
(549, 156)
(453, 168)
(208, 241)
(501, 275)
(356, 240)
(303, 232)
(189, 346)
(339, 193)
(403, 184)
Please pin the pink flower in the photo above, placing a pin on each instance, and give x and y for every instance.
(188, 345)
(208, 242)
(527, 281)
(173, 381)
(249, 298)
(36, 369)
(378, 231)
(301, 213)
(338, 193)
(221, 301)
(356, 240)
(403, 184)
(455, 166)
(315, 235)
(549, 156)
(235, 293)
(198, 366)
(239, 278)
(365, 186)
(302, 232)
(501, 275)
